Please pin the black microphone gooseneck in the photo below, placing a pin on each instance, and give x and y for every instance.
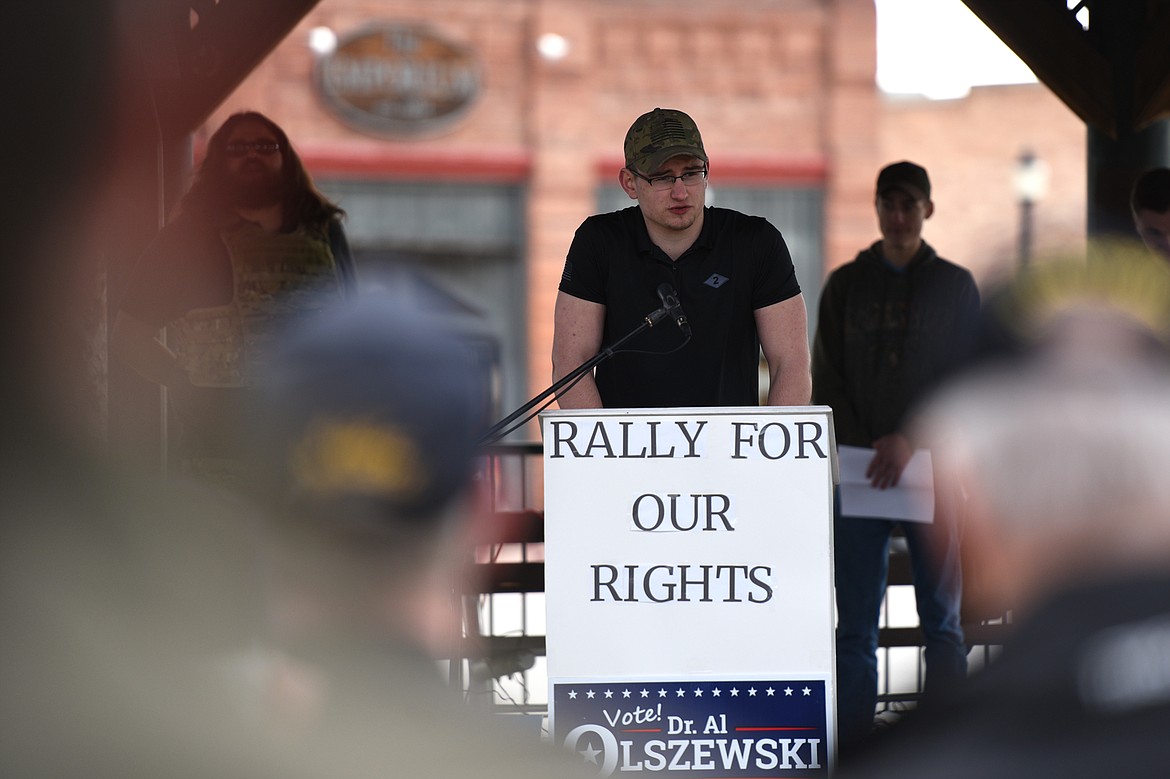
(501, 429)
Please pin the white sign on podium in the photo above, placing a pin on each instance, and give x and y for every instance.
(689, 589)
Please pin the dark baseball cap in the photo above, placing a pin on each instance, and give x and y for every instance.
(371, 411)
(906, 176)
(659, 135)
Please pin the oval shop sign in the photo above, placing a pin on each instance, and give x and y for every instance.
(397, 79)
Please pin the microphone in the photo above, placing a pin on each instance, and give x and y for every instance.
(655, 316)
(673, 308)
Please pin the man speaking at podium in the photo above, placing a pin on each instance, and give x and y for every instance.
(718, 285)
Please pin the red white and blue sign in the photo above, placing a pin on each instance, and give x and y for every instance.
(687, 728)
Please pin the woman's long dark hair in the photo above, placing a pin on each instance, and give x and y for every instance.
(303, 203)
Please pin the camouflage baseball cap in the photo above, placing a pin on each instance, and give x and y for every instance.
(657, 136)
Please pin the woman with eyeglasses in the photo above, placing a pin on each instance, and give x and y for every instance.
(254, 245)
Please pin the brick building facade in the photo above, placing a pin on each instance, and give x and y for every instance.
(783, 90)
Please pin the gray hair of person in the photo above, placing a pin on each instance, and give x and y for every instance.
(1074, 450)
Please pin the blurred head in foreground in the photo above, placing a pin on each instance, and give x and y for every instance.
(367, 439)
(1036, 313)
(368, 430)
(1063, 450)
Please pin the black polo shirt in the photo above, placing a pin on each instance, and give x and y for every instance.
(738, 264)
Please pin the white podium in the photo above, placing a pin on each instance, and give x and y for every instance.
(689, 589)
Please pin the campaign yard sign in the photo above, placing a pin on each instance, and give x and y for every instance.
(688, 581)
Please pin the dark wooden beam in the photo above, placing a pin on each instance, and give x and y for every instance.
(1046, 36)
(215, 46)
(1152, 87)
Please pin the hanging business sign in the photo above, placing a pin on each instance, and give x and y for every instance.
(397, 79)
(689, 590)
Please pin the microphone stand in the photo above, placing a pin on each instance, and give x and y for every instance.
(498, 430)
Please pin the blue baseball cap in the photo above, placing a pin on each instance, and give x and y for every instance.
(377, 404)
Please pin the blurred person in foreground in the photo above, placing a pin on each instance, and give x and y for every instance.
(1150, 204)
(115, 594)
(367, 431)
(1062, 449)
(254, 245)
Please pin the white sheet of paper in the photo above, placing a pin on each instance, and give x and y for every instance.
(912, 499)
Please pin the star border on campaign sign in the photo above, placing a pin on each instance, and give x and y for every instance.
(692, 729)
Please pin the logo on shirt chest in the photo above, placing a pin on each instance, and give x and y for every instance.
(716, 281)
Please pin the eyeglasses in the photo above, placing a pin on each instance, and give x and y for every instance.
(692, 178)
(260, 147)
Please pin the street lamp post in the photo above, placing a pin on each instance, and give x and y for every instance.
(1031, 184)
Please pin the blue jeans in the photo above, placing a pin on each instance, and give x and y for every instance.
(861, 563)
